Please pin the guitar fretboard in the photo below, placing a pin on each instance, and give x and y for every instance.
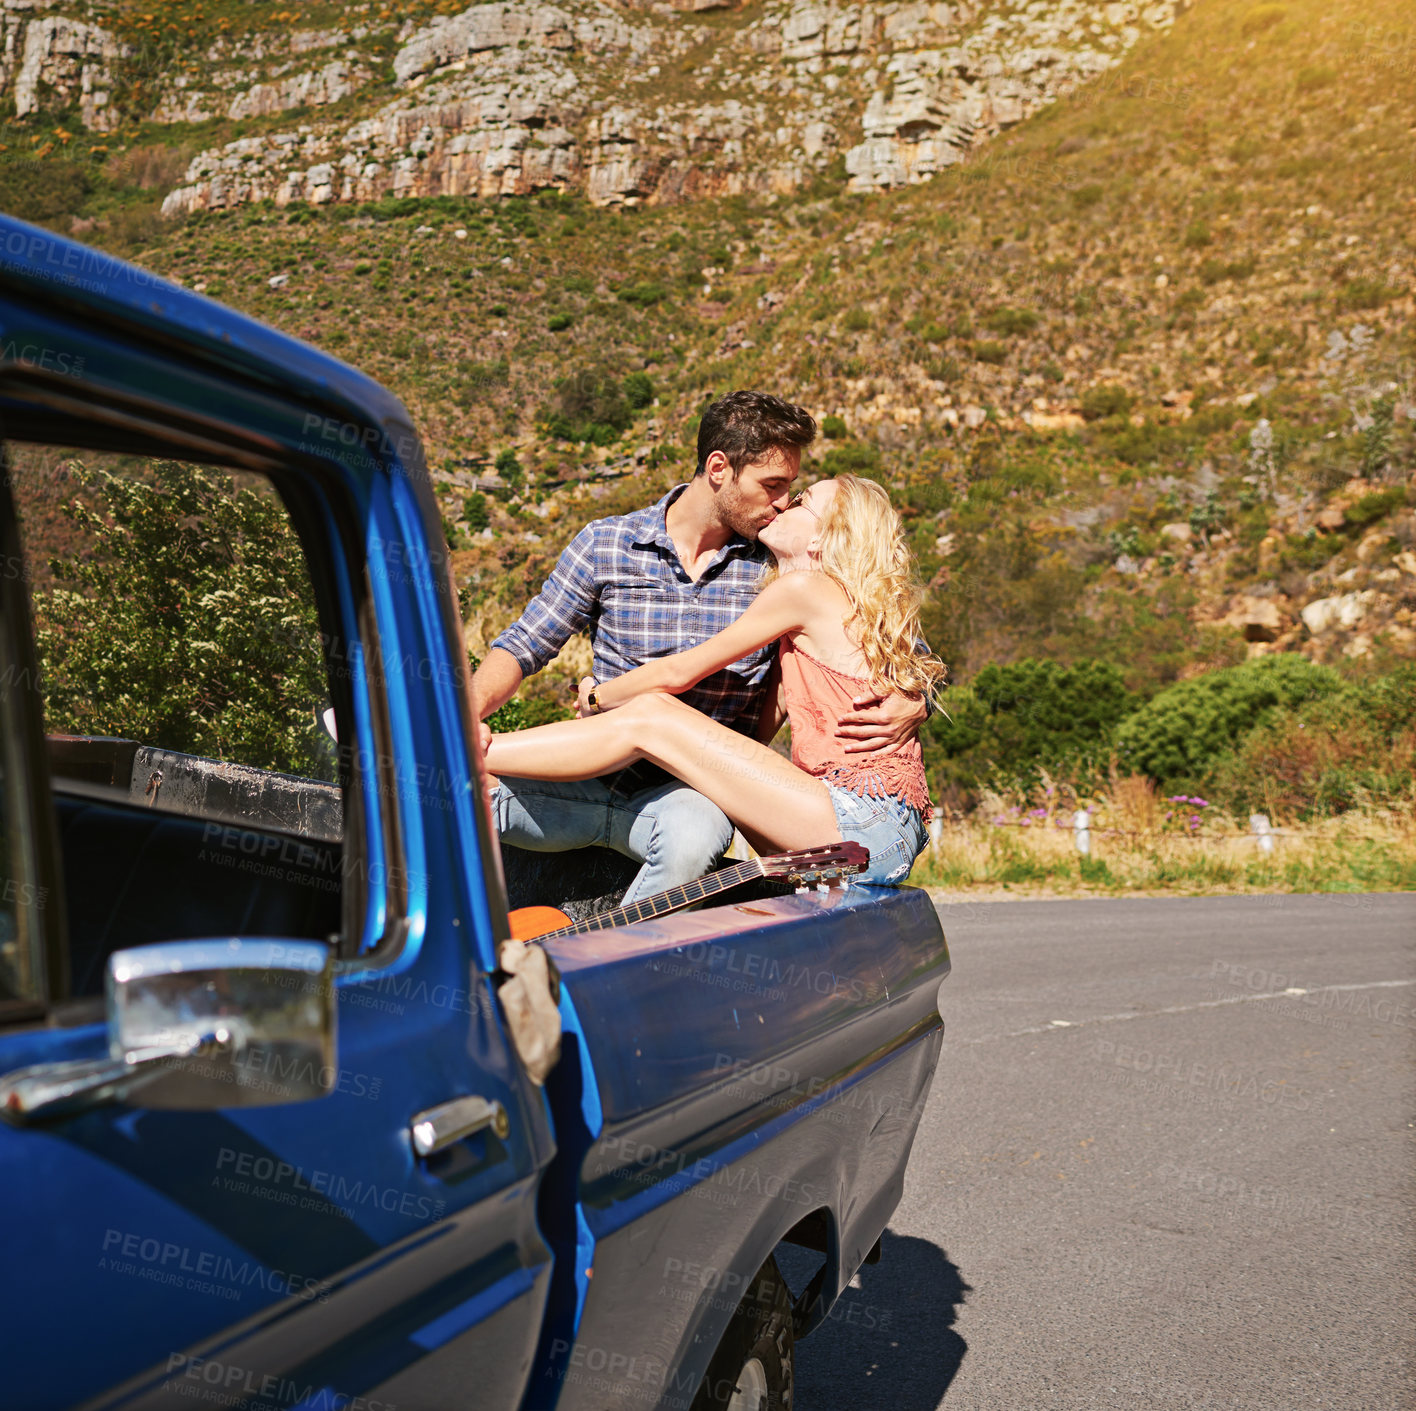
(675, 899)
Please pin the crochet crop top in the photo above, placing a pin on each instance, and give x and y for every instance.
(816, 695)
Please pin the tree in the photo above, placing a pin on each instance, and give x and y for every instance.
(1178, 735)
(190, 624)
(1012, 722)
(476, 512)
(509, 468)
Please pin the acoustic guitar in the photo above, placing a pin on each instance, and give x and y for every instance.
(829, 863)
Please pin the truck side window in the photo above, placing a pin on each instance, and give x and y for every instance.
(178, 615)
(187, 707)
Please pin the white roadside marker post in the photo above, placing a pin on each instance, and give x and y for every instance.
(1081, 827)
(1263, 833)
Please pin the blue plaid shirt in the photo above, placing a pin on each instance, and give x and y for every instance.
(621, 579)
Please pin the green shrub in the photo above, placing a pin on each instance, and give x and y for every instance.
(509, 467)
(591, 405)
(935, 333)
(1328, 755)
(1012, 722)
(1377, 438)
(1212, 271)
(476, 512)
(1138, 445)
(1181, 732)
(558, 323)
(497, 310)
(852, 457)
(392, 207)
(639, 390)
(1009, 321)
(644, 295)
(856, 320)
(833, 428)
(1375, 505)
(1084, 197)
(362, 267)
(1309, 551)
(986, 352)
(1207, 517)
(1390, 701)
(1197, 235)
(1105, 399)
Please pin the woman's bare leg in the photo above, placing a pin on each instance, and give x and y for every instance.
(776, 805)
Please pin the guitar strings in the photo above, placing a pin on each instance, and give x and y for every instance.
(676, 897)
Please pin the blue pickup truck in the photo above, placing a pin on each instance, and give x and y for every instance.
(267, 1137)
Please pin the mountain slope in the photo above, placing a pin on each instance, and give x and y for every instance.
(1140, 368)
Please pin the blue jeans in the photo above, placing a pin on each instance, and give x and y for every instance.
(894, 832)
(675, 832)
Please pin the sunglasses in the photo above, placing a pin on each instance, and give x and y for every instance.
(800, 499)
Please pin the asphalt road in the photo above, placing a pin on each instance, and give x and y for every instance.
(1148, 1174)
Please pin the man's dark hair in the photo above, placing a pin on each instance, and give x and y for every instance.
(745, 425)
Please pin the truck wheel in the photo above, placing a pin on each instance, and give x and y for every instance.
(752, 1368)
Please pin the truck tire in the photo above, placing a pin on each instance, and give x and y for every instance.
(752, 1370)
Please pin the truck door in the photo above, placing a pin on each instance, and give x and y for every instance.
(356, 1231)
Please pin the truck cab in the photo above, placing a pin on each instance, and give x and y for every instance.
(266, 1137)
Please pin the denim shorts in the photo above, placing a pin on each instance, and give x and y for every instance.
(894, 832)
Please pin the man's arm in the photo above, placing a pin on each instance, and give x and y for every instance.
(883, 722)
(564, 605)
(782, 606)
(496, 681)
(880, 722)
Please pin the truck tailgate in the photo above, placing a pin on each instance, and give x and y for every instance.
(727, 1073)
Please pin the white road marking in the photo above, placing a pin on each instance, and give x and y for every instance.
(1055, 1024)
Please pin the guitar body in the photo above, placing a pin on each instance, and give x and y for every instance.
(528, 922)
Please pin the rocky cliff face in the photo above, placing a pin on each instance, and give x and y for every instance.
(503, 99)
(53, 60)
(636, 103)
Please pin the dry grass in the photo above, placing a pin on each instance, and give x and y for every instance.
(1374, 850)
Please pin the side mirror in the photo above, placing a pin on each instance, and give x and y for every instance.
(199, 1025)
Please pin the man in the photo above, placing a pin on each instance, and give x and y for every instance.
(656, 581)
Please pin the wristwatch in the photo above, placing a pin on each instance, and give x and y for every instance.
(592, 698)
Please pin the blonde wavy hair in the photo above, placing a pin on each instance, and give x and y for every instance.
(863, 549)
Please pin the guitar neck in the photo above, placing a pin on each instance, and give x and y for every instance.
(661, 903)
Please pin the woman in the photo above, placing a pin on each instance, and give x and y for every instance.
(844, 604)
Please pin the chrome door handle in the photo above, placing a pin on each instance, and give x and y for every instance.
(441, 1127)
